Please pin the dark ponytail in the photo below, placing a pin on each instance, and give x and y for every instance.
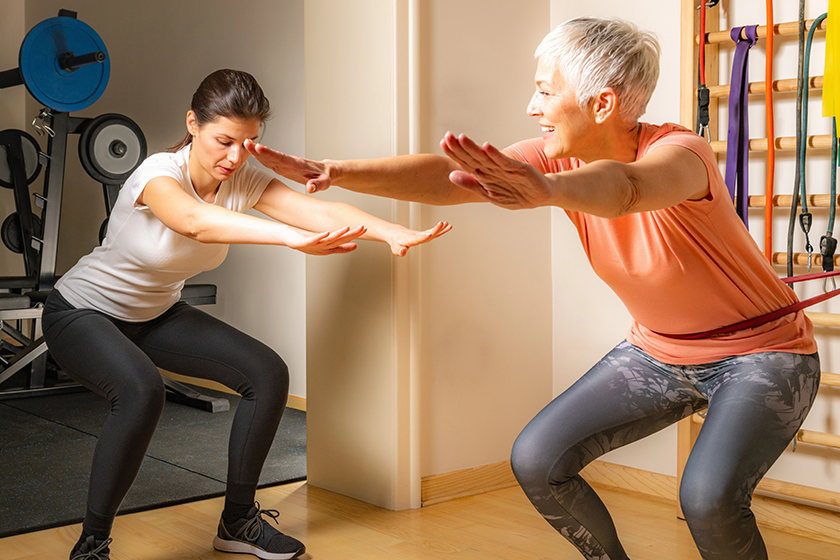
(227, 93)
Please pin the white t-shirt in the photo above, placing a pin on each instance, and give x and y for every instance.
(138, 271)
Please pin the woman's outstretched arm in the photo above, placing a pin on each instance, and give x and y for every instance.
(665, 177)
(312, 214)
(417, 178)
(207, 223)
(304, 223)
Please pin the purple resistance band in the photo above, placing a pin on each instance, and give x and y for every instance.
(738, 139)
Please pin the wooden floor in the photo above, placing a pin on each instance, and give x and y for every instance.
(493, 526)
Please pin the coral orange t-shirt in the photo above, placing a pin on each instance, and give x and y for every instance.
(689, 268)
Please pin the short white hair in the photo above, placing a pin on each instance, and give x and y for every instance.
(593, 53)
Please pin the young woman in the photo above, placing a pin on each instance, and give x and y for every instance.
(115, 317)
(656, 221)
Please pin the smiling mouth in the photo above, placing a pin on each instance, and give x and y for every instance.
(547, 129)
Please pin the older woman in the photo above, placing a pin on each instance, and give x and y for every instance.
(657, 225)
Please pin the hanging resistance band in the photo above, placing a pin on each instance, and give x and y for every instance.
(831, 80)
(805, 217)
(799, 88)
(828, 243)
(738, 139)
(702, 126)
(771, 133)
(703, 94)
(831, 76)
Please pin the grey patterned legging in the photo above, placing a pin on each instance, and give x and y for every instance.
(756, 405)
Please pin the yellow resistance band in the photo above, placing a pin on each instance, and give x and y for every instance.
(831, 80)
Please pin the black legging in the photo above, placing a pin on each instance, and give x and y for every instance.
(756, 404)
(119, 360)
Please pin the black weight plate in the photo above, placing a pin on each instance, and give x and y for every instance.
(30, 157)
(10, 231)
(111, 147)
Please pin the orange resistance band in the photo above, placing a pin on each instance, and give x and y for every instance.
(771, 138)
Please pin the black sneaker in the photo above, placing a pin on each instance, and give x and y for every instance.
(91, 549)
(253, 535)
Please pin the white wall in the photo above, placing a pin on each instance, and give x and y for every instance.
(160, 51)
(486, 287)
(358, 429)
(483, 345)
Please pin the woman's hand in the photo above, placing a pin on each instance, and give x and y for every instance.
(314, 174)
(493, 176)
(400, 238)
(325, 243)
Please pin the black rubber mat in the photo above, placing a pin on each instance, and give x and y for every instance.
(46, 446)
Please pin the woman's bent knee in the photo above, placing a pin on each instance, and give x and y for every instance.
(704, 501)
(530, 465)
(274, 369)
(140, 393)
(266, 377)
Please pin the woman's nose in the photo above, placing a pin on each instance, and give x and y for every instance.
(235, 153)
(533, 109)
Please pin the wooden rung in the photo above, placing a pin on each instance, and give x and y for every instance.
(818, 438)
(830, 379)
(801, 259)
(782, 143)
(787, 28)
(800, 491)
(815, 82)
(785, 200)
(824, 319)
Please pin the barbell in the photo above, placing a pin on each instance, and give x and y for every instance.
(63, 63)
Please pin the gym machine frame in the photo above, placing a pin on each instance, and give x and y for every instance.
(45, 63)
(65, 80)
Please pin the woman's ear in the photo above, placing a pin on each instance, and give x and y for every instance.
(605, 105)
(192, 124)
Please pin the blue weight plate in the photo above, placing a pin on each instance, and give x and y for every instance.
(39, 58)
